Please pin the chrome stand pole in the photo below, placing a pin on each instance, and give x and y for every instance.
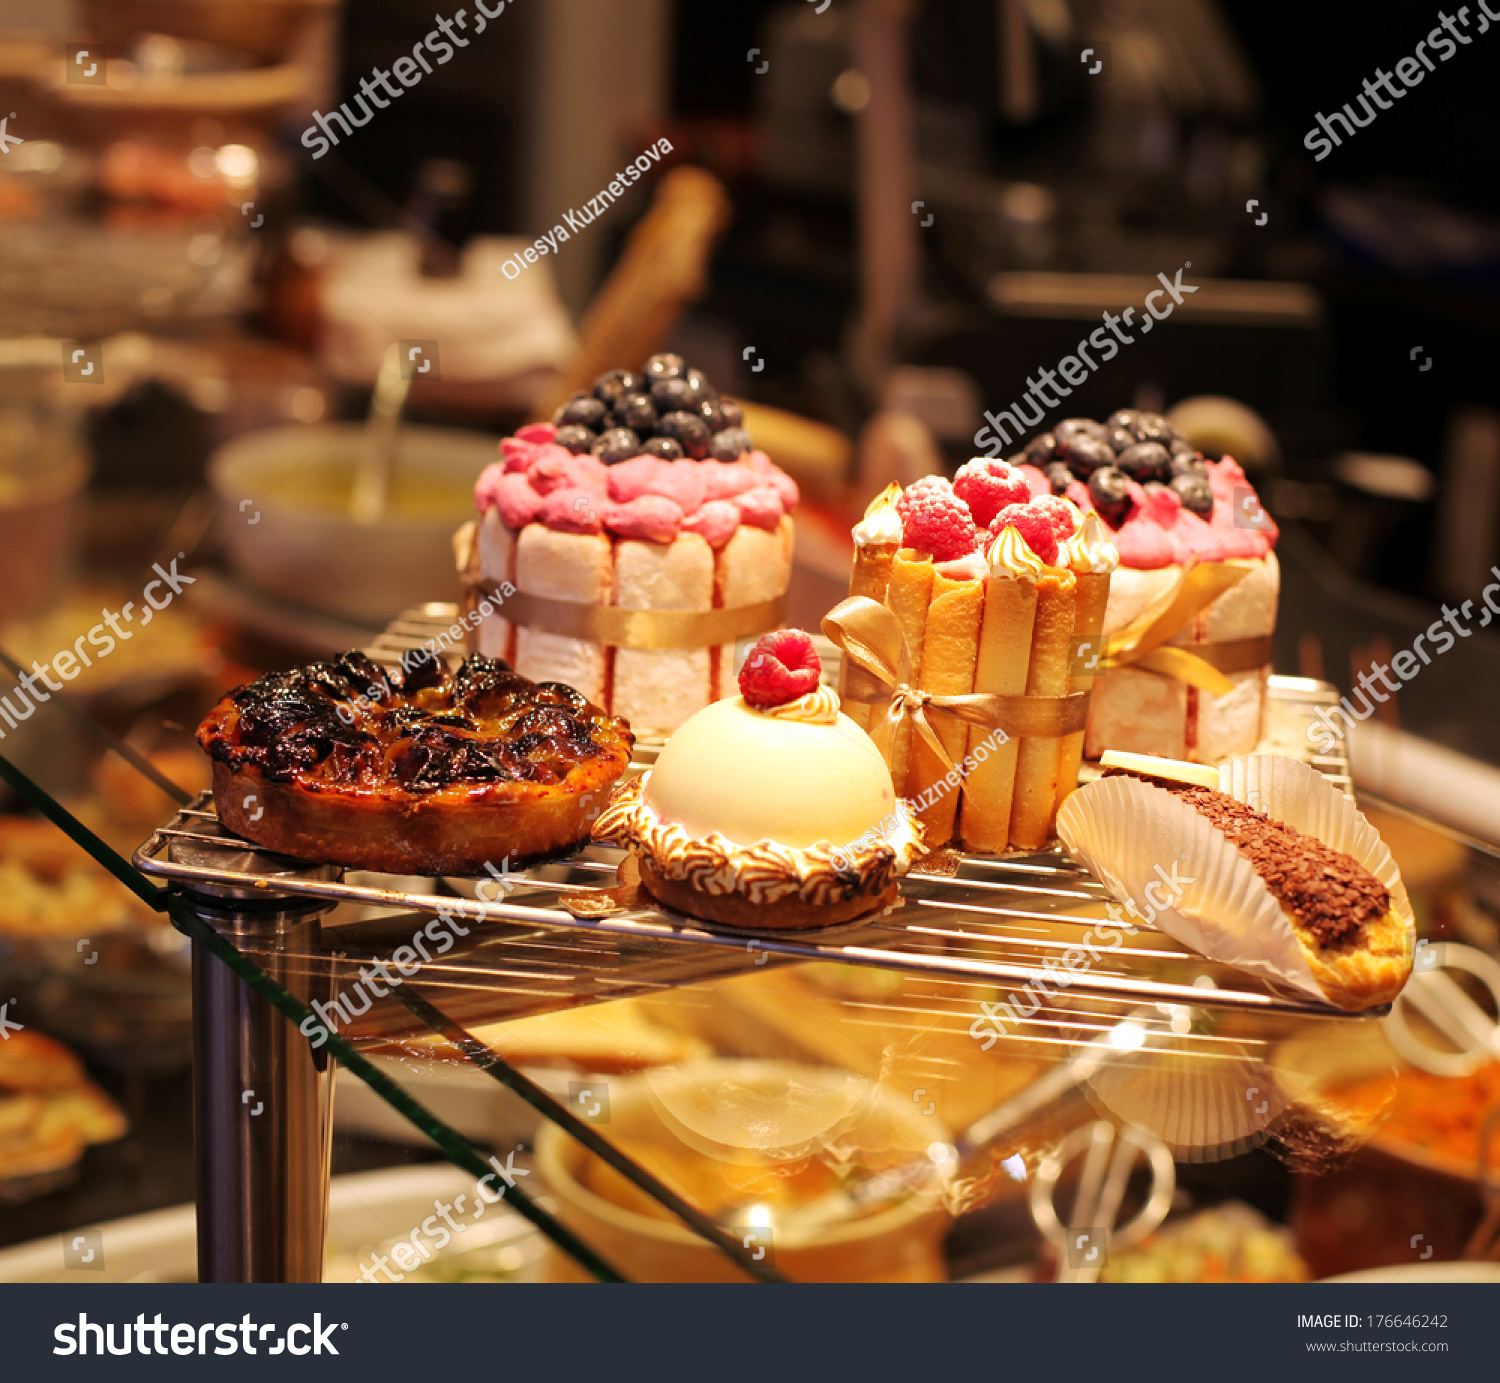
(262, 1100)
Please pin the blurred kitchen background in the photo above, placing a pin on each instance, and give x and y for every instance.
(909, 208)
(877, 218)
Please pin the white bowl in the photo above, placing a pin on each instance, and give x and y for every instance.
(282, 501)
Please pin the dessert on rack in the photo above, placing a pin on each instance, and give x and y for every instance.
(426, 769)
(625, 546)
(1000, 597)
(1260, 864)
(770, 809)
(1168, 509)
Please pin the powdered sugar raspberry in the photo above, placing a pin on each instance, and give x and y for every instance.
(987, 486)
(935, 520)
(1033, 524)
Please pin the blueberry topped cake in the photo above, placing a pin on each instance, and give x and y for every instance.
(623, 547)
(1165, 505)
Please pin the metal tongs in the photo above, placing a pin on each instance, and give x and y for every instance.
(1444, 1004)
(1109, 1155)
(1475, 1035)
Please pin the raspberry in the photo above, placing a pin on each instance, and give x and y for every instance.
(780, 668)
(1033, 524)
(1062, 515)
(934, 520)
(987, 485)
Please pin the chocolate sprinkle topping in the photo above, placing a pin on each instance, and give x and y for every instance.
(1328, 892)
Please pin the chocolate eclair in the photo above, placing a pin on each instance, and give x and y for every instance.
(1281, 876)
(1329, 895)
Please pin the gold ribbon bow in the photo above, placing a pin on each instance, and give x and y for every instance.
(870, 637)
(1141, 645)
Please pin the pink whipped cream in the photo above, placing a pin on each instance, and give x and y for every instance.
(652, 517)
(1161, 533)
(537, 481)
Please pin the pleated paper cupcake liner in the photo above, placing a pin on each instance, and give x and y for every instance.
(1157, 855)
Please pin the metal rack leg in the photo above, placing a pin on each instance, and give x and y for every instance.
(262, 1107)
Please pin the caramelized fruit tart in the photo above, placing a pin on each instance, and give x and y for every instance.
(425, 769)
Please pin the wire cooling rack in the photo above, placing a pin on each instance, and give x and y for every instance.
(985, 922)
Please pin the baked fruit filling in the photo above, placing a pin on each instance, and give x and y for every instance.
(422, 769)
(347, 723)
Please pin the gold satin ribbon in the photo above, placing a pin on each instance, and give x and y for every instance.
(1142, 645)
(620, 628)
(870, 637)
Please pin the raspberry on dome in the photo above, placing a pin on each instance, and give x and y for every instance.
(987, 484)
(936, 521)
(1034, 524)
(1063, 515)
(780, 668)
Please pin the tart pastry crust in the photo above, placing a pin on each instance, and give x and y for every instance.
(430, 770)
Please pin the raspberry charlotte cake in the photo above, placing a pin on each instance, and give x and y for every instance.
(769, 809)
(1167, 507)
(428, 770)
(993, 591)
(624, 547)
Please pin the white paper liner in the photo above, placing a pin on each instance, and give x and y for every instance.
(1203, 1110)
(1155, 853)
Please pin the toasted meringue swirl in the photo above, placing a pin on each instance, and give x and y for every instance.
(881, 523)
(764, 873)
(1011, 556)
(1090, 550)
(819, 707)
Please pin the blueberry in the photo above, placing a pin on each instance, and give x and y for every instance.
(1060, 476)
(688, 429)
(1152, 427)
(666, 448)
(1085, 454)
(661, 367)
(1180, 446)
(635, 411)
(1120, 439)
(1146, 461)
(582, 410)
(610, 385)
(1041, 450)
(734, 415)
(616, 445)
(1194, 493)
(1070, 428)
(702, 390)
(1109, 490)
(1189, 463)
(577, 439)
(712, 412)
(1123, 417)
(673, 396)
(728, 445)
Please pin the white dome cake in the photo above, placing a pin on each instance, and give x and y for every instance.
(769, 809)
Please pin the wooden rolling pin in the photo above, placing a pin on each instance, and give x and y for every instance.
(664, 269)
